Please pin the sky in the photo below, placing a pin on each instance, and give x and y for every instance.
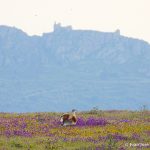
(35, 17)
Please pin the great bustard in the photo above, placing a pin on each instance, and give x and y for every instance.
(68, 120)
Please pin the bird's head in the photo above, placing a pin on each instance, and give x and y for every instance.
(74, 110)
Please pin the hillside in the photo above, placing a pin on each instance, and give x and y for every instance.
(70, 68)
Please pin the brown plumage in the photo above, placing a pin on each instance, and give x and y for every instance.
(67, 119)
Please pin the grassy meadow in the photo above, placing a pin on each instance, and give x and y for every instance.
(95, 130)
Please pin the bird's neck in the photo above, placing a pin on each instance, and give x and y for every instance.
(74, 113)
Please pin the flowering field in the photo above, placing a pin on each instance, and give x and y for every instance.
(95, 130)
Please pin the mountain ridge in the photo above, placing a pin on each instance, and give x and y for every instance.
(77, 67)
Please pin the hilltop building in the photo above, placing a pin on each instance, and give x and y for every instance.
(117, 32)
(59, 27)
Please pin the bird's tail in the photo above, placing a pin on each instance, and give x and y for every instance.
(61, 119)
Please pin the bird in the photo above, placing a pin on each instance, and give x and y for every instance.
(68, 119)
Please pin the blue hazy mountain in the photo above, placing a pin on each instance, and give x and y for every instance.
(68, 68)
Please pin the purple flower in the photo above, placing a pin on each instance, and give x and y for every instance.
(24, 125)
(135, 136)
(81, 122)
(65, 139)
(22, 133)
(89, 139)
(8, 133)
(125, 120)
(91, 122)
(96, 122)
(75, 139)
(117, 137)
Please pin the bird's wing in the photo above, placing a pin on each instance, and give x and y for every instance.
(74, 119)
(65, 116)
